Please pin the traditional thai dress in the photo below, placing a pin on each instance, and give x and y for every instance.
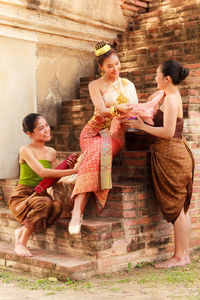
(39, 211)
(99, 147)
(172, 164)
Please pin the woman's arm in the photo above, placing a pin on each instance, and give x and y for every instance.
(97, 99)
(27, 155)
(133, 99)
(169, 121)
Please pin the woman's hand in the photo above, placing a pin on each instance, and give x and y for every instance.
(124, 108)
(136, 124)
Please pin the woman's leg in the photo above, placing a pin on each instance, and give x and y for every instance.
(80, 202)
(22, 235)
(182, 233)
(181, 238)
(39, 208)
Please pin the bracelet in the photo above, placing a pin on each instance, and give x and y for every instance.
(114, 112)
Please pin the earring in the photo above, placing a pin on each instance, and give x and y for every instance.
(101, 71)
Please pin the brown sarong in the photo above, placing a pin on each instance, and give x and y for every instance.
(61, 191)
(38, 212)
(172, 165)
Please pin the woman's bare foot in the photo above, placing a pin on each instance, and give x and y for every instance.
(22, 251)
(173, 262)
(18, 233)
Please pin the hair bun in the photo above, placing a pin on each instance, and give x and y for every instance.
(184, 73)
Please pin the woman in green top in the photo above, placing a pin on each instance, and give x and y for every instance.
(36, 162)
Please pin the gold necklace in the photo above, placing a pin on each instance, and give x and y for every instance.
(121, 98)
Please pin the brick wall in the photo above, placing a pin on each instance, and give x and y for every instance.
(131, 8)
(7, 187)
(169, 31)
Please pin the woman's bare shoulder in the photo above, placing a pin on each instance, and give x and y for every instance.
(51, 150)
(25, 149)
(173, 99)
(23, 152)
(96, 83)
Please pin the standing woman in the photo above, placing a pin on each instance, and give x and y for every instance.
(36, 161)
(172, 161)
(111, 96)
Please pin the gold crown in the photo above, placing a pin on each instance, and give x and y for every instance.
(101, 48)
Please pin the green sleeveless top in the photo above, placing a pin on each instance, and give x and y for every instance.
(28, 176)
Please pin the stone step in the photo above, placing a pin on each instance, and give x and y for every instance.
(74, 104)
(127, 206)
(76, 108)
(97, 234)
(47, 263)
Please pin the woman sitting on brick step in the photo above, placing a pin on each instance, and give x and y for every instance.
(36, 161)
(172, 161)
(110, 95)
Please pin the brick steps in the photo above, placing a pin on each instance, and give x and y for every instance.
(84, 93)
(96, 235)
(47, 263)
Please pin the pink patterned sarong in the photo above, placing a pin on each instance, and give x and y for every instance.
(99, 147)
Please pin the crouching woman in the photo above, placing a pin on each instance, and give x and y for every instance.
(36, 162)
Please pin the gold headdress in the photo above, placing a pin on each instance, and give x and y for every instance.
(101, 48)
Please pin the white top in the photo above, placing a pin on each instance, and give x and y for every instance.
(126, 87)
